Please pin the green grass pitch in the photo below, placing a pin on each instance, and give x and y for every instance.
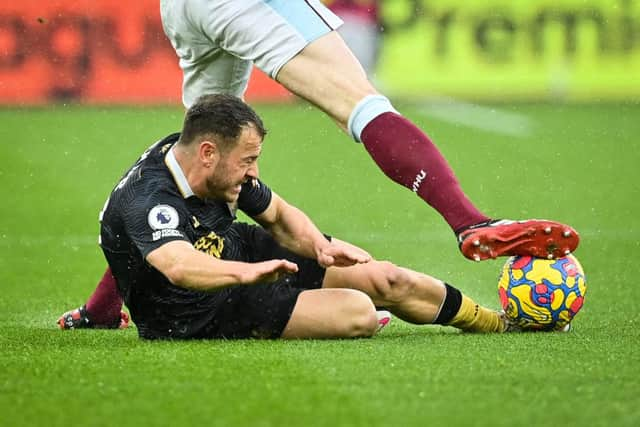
(577, 164)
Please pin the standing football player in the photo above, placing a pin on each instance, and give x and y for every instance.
(295, 43)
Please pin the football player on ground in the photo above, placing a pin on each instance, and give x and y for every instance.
(187, 269)
(295, 42)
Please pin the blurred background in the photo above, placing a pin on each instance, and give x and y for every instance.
(534, 103)
(102, 51)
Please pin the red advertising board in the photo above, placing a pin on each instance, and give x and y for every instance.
(95, 51)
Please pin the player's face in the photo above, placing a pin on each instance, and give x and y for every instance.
(236, 166)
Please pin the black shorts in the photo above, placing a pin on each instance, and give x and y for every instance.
(262, 310)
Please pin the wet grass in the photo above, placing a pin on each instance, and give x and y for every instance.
(572, 163)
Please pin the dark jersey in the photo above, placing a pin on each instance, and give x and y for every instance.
(152, 205)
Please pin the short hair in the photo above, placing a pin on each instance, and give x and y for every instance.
(222, 116)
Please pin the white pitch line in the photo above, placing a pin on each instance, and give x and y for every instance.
(476, 116)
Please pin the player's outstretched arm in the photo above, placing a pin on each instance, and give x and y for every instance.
(186, 267)
(294, 230)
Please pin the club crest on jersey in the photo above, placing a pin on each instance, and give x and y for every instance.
(211, 244)
(163, 217)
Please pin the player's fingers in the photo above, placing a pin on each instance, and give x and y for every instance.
(343, 261)
(353, 254)
(326, 260)
(278, 268)
(286, 266)
(349, 257)
(361, 257)
(353, 249)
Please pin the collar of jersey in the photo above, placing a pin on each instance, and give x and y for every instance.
(178, 174)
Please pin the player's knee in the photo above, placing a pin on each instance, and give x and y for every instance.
(361, 319)
(391, 283)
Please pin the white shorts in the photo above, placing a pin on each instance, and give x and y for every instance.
(218, 41)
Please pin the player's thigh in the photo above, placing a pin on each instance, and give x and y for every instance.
(327, 74)
(363, 38)
(302, 51)
(332, 313)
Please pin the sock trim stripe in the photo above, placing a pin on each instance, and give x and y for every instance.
(450, 306)
(369, 107)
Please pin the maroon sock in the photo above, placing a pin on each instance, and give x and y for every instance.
(105, 303)
(407, 156)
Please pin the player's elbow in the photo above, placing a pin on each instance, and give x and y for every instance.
(176, 274)
(172, 261)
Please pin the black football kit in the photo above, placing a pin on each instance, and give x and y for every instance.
(152, 205)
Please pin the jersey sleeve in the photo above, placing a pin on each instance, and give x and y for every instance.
(254, 198)
(156, 219)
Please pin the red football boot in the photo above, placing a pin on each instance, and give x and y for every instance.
(534, 237)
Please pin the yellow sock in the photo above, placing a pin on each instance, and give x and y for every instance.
(473, 317)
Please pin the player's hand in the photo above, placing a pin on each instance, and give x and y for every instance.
(268, 271)
(341, 254)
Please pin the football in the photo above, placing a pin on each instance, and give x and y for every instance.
(541, 294)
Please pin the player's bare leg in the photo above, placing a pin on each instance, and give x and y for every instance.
(328, 75)
(332, 313)
(415, 297)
